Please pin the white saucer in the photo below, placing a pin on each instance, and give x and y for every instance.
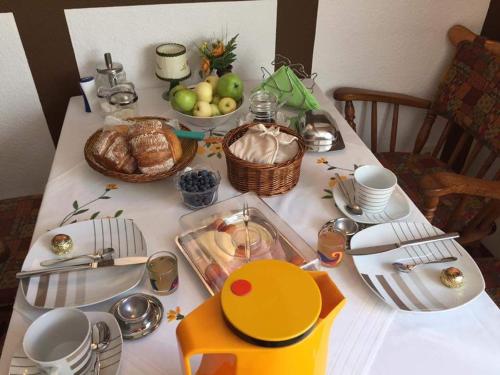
(398, 207)
(420, 290)
(110, 358)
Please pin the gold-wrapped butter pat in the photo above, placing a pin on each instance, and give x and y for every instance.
(452, 277)
(61, 244)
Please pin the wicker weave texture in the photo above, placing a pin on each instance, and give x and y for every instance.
(265, 180)
(189, 148)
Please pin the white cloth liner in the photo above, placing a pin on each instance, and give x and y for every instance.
(265, 145)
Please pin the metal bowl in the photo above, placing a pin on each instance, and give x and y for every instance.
(138, 315)
(133, 309)
(343, 224)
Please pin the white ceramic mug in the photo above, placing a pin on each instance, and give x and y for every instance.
(374, 186)
(59, 342)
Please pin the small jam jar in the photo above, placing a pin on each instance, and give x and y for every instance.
(331, 245)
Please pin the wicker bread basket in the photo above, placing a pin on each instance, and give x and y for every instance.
(189, 148)
(263, 179)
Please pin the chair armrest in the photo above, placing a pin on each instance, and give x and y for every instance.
(354, 94)
(439, 184)
(444, 183)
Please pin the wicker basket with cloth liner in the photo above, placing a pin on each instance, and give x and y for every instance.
(189, 148)
(263, 179)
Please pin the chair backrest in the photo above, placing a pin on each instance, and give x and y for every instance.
(469, 96)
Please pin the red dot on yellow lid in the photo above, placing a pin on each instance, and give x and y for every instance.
(241, 287)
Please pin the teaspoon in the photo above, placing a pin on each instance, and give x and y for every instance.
(403, 267)
(101, 336)
(351, 206)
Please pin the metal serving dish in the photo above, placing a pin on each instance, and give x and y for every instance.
(319, 131)
(213, 266)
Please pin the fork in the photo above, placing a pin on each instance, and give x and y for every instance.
(246, 219)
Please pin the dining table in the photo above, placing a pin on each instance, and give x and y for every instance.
(368, 336)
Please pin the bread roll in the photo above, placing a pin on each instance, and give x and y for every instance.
(173, 141)
(145, 126)
(111, 150)
(155, 146)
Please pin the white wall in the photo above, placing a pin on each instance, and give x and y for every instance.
(390, 45)
(26, 149)
(132, 33)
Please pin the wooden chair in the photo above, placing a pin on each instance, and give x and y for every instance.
(468, 96)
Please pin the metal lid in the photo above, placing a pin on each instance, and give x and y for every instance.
(109, 66)
(319, 132)
(271, 303)
(342, 224)
(123, 98)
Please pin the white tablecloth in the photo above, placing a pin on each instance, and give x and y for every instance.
(367, 336)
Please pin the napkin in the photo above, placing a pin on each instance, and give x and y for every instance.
(264, 145)
(285, 84)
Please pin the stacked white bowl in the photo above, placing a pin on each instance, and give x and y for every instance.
(374, 186)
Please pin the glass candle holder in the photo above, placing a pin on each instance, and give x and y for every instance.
(163, 272)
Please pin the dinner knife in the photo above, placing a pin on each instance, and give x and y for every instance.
(399, 245)
(126, 261)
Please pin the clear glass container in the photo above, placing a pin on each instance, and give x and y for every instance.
(198, 187)
(163, 273)
(110, 73)
(331, 245)
(119, 101)
(212, 234)
(263, 108)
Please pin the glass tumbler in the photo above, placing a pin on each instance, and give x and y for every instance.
(163, 273)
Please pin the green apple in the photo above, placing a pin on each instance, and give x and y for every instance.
(230, 85)
(215, 99)
(204, 92)
(172, 92)
(215, 110)
(184, 100)
(213, 81)
(202, 109)
(227, 105)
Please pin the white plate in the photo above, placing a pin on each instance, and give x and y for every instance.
(83, 288)
(420, 290)
(398, 207)
(110, 358)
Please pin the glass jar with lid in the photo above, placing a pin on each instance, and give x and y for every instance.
(119, 101)
(263, 108)
(110, 73)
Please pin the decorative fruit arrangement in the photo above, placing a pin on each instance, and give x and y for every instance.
(213, 97)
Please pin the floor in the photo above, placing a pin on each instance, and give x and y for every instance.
(17, 222)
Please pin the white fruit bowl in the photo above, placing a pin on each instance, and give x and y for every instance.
(207, 123)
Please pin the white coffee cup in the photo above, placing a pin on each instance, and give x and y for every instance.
(374, 186)
(59, 342)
